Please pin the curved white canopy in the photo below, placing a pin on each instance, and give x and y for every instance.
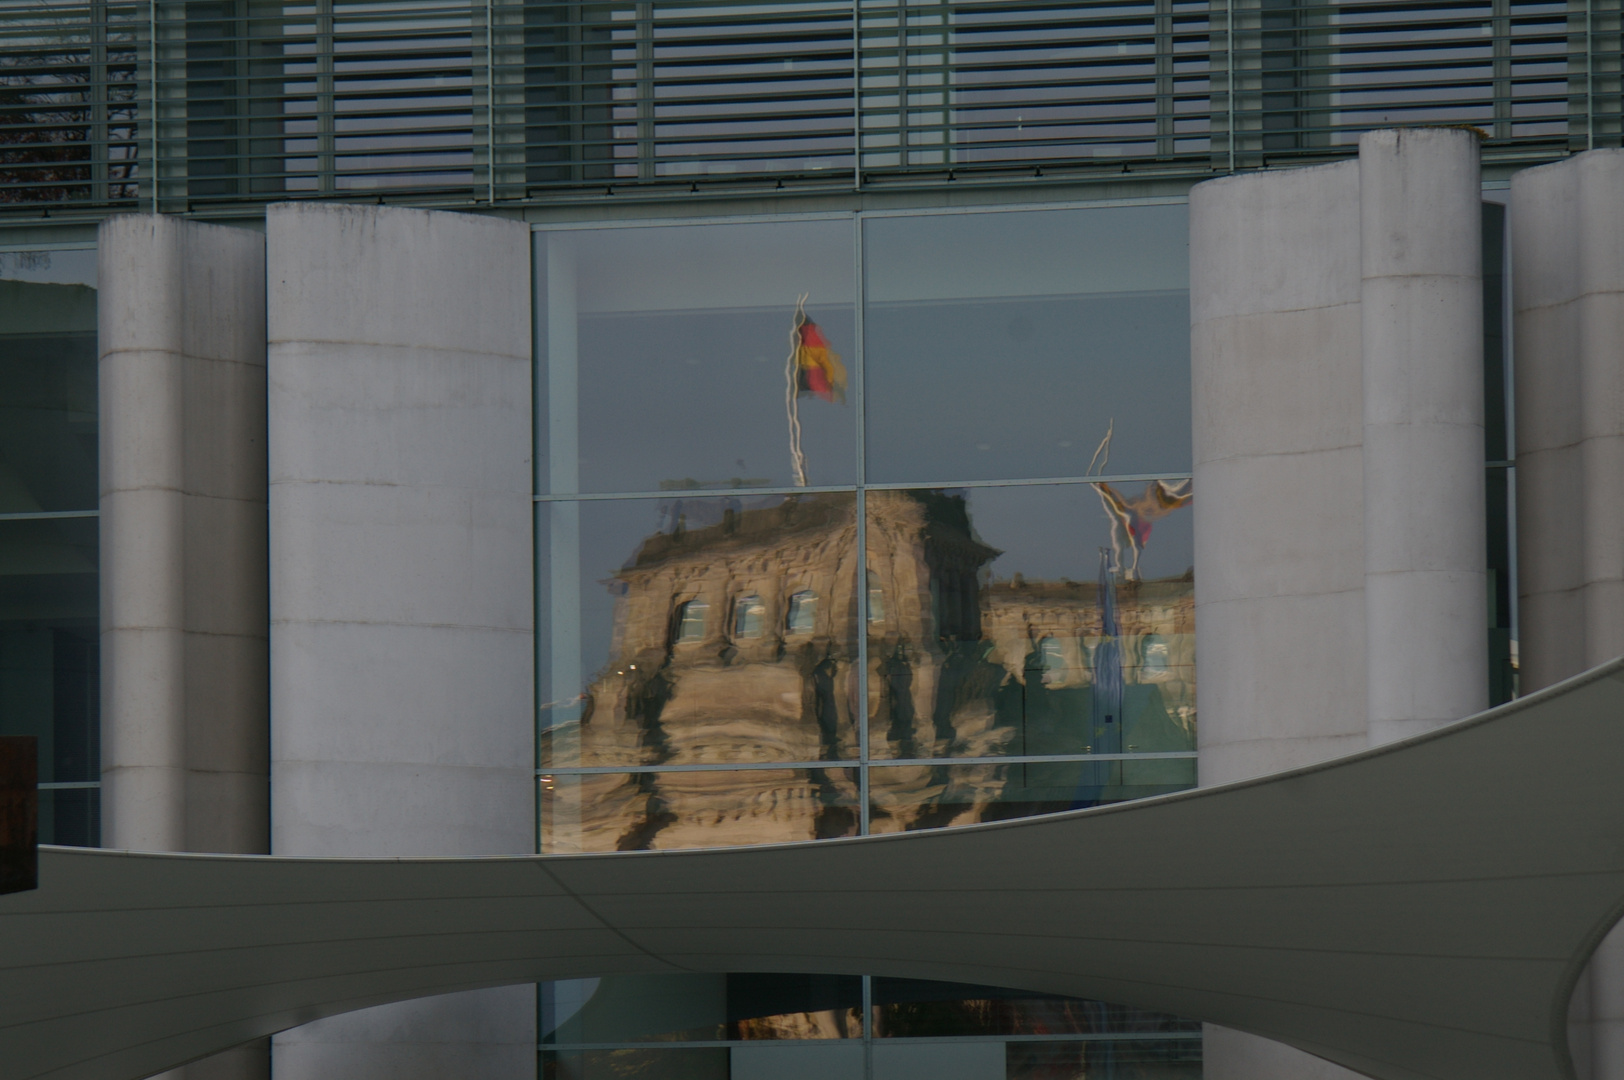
(1418, 910)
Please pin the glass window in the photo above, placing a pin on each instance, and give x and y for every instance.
(49, 642)
(662, 811)
(1038, 619)
(629, 680)
(690, 357)
(661, 1008)
(1163, 1059)
(920, 1008)
(696, 373)
(876, 598)
(653, 1063)
(803, 612)
(904, 798)
(691, 621)
(1027, 344)
(749, 617)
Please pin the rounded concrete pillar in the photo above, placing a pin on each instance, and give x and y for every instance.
(1421, 326)
(1279, 562)
(142, 499)
(184, 626)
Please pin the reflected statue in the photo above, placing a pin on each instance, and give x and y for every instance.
(1131, 519)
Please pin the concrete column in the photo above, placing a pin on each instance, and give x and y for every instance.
(1279, 559)
(1567, 225)
(401, 583)
(184, 625)
(183, 562)
(1422, 332)
(1279, 535)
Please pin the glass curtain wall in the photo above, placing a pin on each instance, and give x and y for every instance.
(858, 524)
(49, 660)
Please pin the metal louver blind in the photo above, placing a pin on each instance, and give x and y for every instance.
(265, 100)
(199, 104)
(68, 90)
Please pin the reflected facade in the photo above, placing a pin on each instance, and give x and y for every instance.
(49, 652)
(820, 560)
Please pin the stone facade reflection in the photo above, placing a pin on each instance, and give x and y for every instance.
(735, 643)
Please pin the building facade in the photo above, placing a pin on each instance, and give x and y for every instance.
(477, 429)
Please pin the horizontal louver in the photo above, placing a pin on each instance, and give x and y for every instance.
(68, 102)
(192, 105)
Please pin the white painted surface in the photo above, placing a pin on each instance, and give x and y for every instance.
(401, 582)
(1567, 225)
(1421, 329)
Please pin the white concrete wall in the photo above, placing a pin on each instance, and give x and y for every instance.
(1421, 325)
(1279, 557)
(184, 624)
(401, 583)
(1567, 223)
(185, 744)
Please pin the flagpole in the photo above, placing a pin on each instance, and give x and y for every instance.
(792, 405)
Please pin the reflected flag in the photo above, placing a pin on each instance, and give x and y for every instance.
(817, 366)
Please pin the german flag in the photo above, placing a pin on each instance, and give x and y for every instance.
(817, 366)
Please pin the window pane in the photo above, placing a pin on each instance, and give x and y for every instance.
(660, 1008)
(998, 642)
(803, 613)
(694, 1063)
(667, 357)
(636, 671)
(919, 1008)
(904, 798)
(749, 617)
(47, 383)
(49, 652)
(1008, 345)
(629, 811)
(1160, 1060)
(691, 627)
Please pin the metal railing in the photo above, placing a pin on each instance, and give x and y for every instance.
(184, 105)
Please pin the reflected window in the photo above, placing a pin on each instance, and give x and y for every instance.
(1052, 661)
(876, 599)
(691, 621)
(1154, 656)
(749, 616)
(803, 612)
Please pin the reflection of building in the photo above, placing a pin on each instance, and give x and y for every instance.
(735, 642)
